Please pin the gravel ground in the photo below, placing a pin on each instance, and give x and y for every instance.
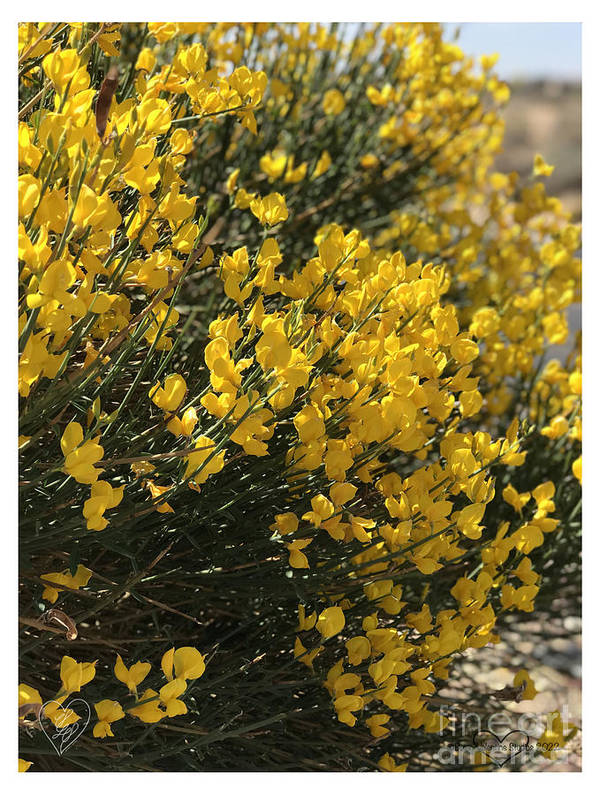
(553, 663)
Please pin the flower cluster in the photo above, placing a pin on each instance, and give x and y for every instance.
(178, 666)
(283, 327)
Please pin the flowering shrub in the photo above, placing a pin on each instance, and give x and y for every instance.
(291, 429)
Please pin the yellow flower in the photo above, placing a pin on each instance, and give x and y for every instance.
(169, 397)
(369, 160)
(525, 572)
(341, 493)
(333, 102)
(304, 621)
(158, 491)
(109, 39)
(146, 60)
(345, 705)
(322, 164)
(29, 194)
(541, 168)
(523, 678)
(108, 712)
(521, 598)
(322, 509)
(376, 724)
(103, 496)
(273, 348)
(81, 578)
(338, 459)
(331, 621)
(359, 649)
(169, 697)
(243, 199)
(273, 163)
(133, 676)
(56, 280)
(309, 424)
(184, 426)
(231, 182)
(306, 657)
(421, 621)
(575, 383)
(80, 456)
(516, 500)
(24, 765)
(488, 61)
(468, 520)
(559, 425)
(542, 495)
(74, 675)
(270, 210)
(555, 735)
(147, 709)
(163, 31)
(29, 696)
(60, 716)
(285, 523)
(202, 464)
(464, 350)
(185, 663)
(298, 559)
(60, 66)
(154, 116)
(470, 402)
(296, 174)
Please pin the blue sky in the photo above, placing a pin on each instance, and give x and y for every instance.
(527, 49)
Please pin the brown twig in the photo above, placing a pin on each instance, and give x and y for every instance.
(34, 622)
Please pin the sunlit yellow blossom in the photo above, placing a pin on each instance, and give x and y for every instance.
(169, 396)
(204, 463)
(80, 456)
(103, 497)
(270, 210)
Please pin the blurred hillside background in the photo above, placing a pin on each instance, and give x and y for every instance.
(541, 61)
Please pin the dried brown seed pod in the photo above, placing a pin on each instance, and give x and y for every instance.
(105, 95)
(60, 617)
